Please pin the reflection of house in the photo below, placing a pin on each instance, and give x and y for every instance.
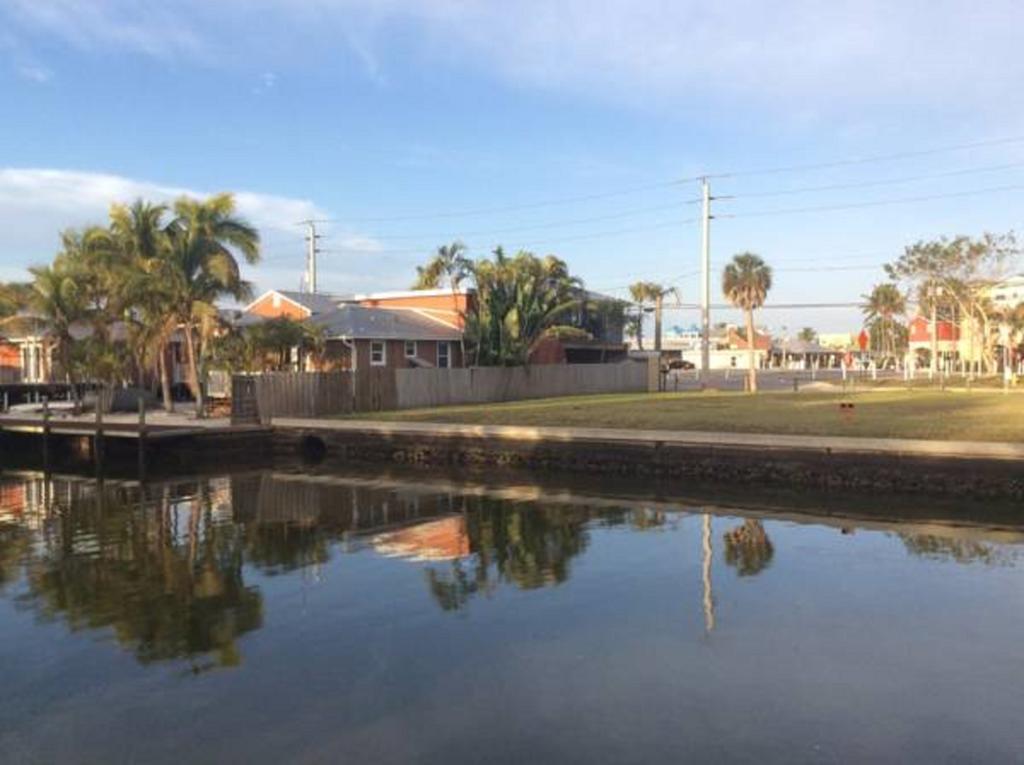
(390, 329)
(444, 539)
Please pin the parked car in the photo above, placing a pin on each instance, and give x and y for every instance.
(681, 364)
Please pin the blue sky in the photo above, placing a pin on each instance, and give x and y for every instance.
(390, 117)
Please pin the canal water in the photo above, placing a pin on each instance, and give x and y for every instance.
(284, 617)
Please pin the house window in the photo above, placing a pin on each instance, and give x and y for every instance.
(378, 353)
(443, 355)
(410, 349)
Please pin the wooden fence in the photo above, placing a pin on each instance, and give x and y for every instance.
(481, 385)
(258, 398)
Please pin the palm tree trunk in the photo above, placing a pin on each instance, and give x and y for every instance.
(751, 371)
(165, 378)
(657, 323)
(193, 369)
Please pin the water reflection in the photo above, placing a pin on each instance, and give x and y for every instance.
(165, 577)
(748, 548)
(527, 547)
(172, 570)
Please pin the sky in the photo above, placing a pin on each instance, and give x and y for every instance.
(835, 134)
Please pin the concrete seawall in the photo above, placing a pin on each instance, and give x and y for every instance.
(895, 466)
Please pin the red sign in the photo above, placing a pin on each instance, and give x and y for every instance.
(862, 340)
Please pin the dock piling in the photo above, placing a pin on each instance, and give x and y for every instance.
(142, 437)
(46, 434)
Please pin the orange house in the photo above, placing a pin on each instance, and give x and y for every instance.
(388, 329)
(442, 305)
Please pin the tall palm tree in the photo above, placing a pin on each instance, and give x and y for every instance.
(57, 300)
(449, 264)
(884, 304)
(139, 233)
(641, 294)
(746, 281)
(201, 266)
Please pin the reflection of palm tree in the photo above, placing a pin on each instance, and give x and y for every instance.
(950, 548)
(748, 548)
(529, 547)
(165, 594)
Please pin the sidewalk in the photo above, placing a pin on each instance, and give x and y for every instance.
(759, 441)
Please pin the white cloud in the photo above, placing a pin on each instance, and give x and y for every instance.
(156, 29)
(36, 204)
(35, 73)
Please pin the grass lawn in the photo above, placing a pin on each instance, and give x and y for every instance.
(975, 416)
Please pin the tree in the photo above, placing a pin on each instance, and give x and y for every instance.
(201, 267)
(14, 296)
(644, 293)
(881, 307)
(139, 232)
(807, 335)
(57, 300)
(449, 265)
(746, 282)
(956, 271)
(640, 292)
(517, 299)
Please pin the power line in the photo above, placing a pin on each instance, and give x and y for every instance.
(876, 203)
(550, 224)
(517, 207)
(866, 160)
(870, 184)
(767, 306)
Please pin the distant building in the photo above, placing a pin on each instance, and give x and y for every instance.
(838, 341)
(1009, 293)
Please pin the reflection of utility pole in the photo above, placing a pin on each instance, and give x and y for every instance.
(709, 602)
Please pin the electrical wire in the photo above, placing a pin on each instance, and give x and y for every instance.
(866, 160)
(875, 203)
(870, 184)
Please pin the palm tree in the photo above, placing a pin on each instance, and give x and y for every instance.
(56, 299)
(807, 335)
(13, 297)
(658, 293)
(746, 282)
(201, 266)
(883, 304)
(449, 264)
(641, 294)
(139, 233)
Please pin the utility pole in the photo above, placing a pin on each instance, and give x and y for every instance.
(705, 268)
(311, 252)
